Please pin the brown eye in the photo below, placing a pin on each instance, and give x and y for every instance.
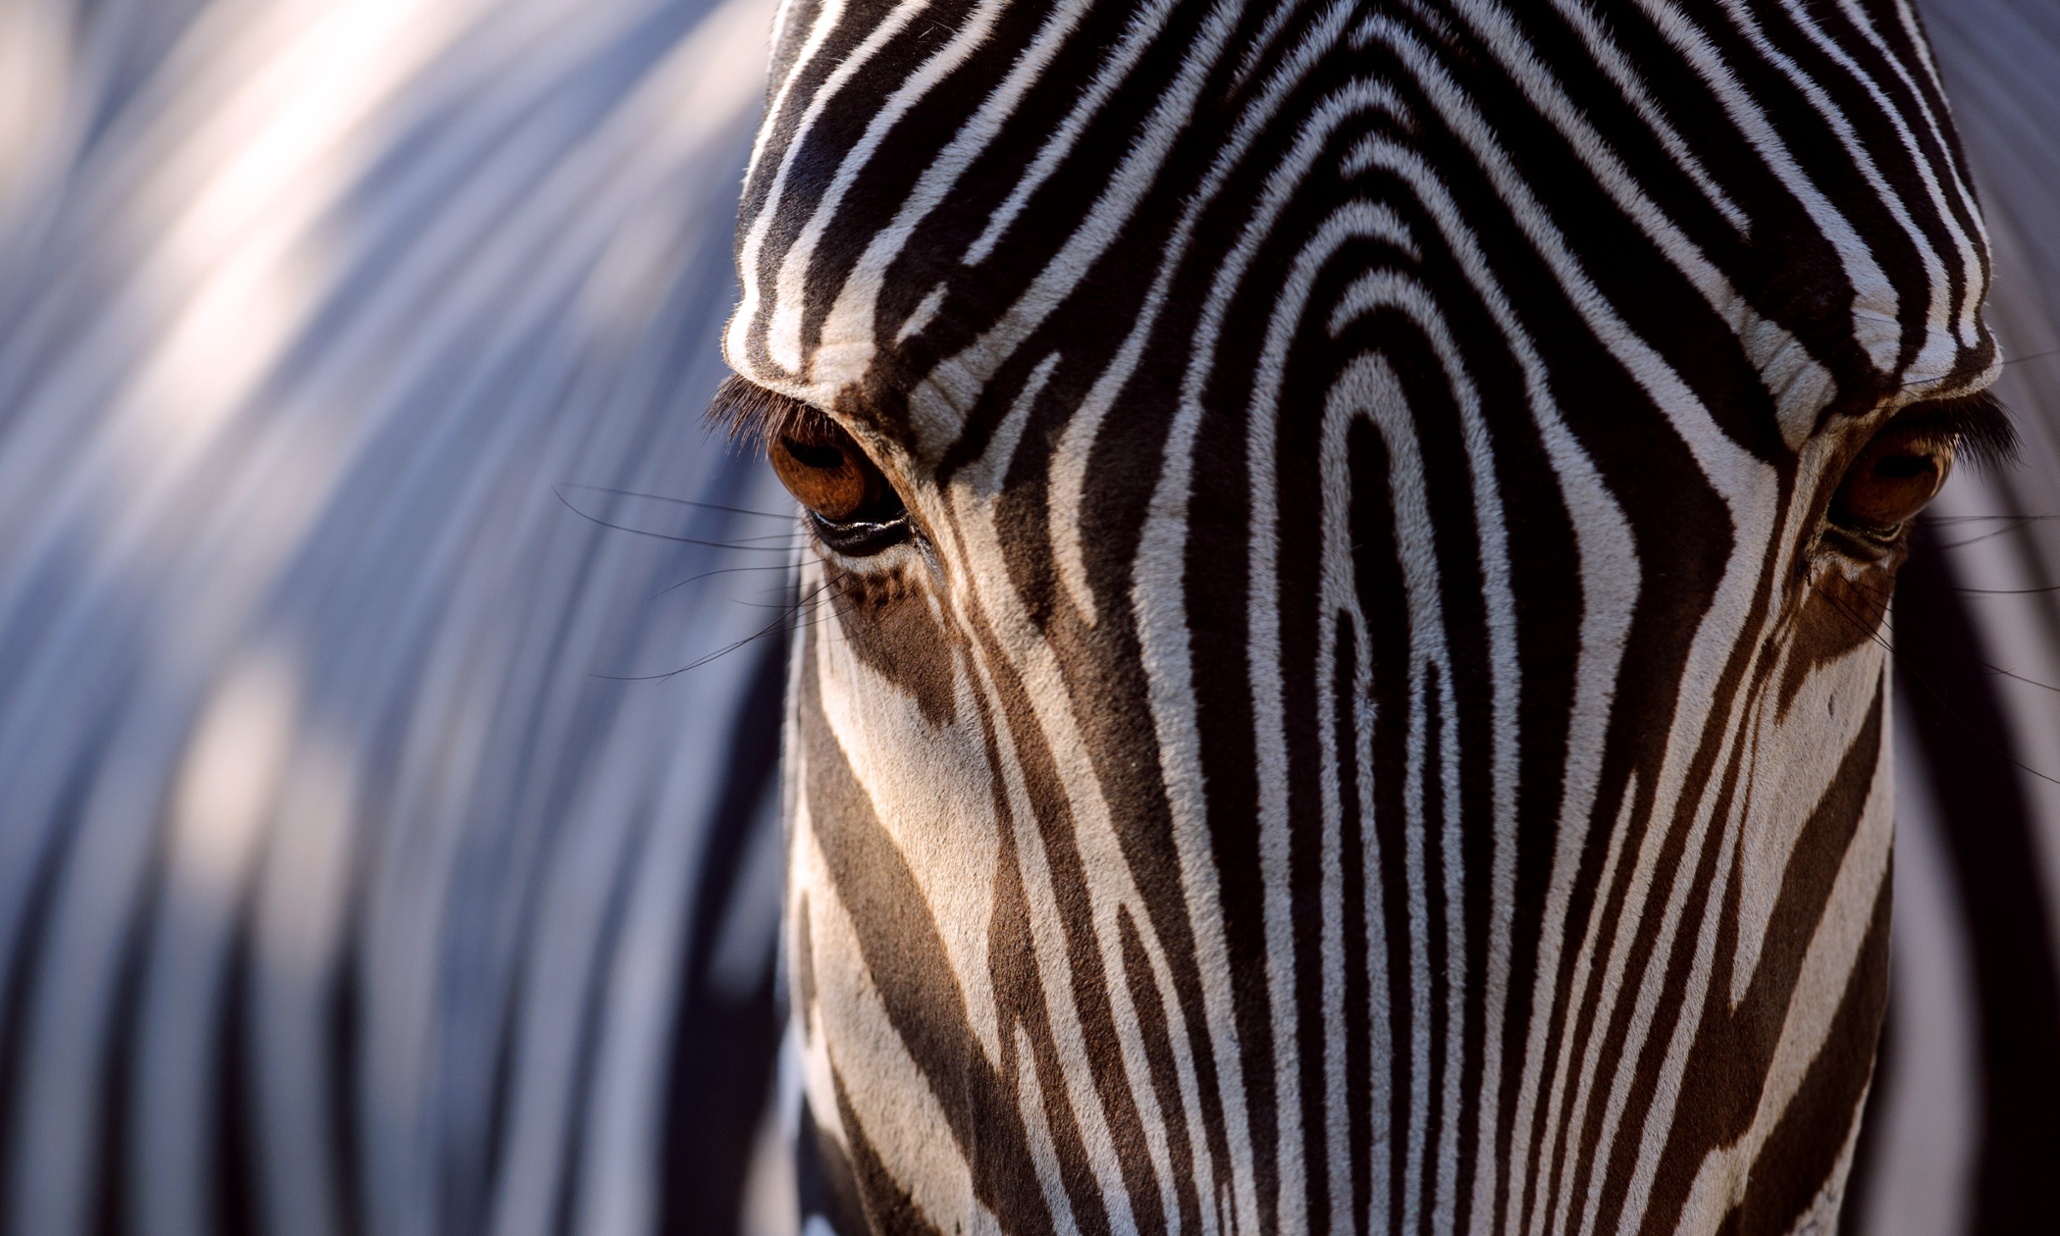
(855, 510)
(1897, 475)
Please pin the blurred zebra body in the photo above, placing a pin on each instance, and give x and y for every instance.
(1957, 1137)
(344, 884)
(338, 890)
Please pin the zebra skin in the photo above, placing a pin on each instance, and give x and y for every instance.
(343, 886)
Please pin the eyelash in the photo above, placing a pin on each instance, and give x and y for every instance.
(750, 414)
(1983, 429)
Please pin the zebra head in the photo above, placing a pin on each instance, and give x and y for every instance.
(1344, 686)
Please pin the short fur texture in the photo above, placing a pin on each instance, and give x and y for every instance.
(1369, 732)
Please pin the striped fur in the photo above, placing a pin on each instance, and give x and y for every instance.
(1368, 735)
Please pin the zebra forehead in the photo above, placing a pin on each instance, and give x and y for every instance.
(944, 192)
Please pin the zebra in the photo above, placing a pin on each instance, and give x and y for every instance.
(346, 884)
(1345, 689)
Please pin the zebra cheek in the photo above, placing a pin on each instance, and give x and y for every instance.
(893, 629)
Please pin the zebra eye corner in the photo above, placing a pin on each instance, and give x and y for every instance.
(851, 506)
(1895, 477)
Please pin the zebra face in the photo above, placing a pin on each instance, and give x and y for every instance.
(1344, 687)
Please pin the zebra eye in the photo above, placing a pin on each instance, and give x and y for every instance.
(1897, 476)
(850, 504)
